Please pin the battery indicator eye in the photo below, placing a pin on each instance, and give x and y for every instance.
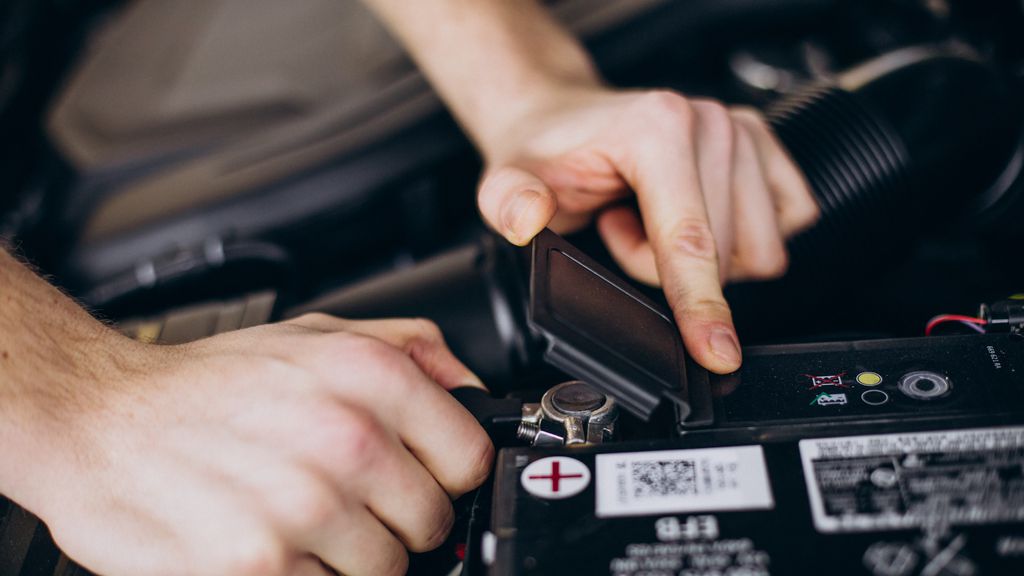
(869, 378)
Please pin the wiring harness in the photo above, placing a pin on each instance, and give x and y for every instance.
(1002, 316)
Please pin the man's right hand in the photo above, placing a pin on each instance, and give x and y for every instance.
(281, 449)
(717, 195)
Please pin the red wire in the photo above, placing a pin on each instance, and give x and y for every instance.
(943, 318)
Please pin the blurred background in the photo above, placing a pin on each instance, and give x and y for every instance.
(160, 155)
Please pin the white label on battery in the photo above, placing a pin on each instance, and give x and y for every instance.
(914, 480)
(677, 481)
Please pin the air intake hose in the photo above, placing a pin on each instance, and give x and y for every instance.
(917, 133)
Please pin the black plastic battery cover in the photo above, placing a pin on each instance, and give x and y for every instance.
(601, 330)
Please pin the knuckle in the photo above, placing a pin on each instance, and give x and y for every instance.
(667, 108)
(808, 214)
(777, 264)
(369, 351)
(353, 442)
(711, 308)
(323, 347)
(716, 115)
(742, 137)
(309, 507)
(498, 179)
(479, 460)
(314, 318)
(393, 562)
(255, 557)
(748, 115)
(443, 527)
(769, 265)
(692, 238)
(362, 444)
(428, 329)
(438, 525)
(717, 126)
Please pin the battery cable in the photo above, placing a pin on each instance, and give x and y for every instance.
(972, 322)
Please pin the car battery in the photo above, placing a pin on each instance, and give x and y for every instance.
(947, 501)
(886, 457)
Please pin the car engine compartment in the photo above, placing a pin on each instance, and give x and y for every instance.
(906, 117)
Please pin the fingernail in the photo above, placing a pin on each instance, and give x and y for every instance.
(725, 346)
(475, 382)
(517, 211)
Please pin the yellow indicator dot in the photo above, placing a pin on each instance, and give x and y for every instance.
(869, 379)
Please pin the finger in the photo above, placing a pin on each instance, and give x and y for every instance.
(715, 159)
(565, 222)
(310, 567)
(583, 181)
(796, 206)
(336, 453)
(272, 471)
(439, 431)
(660, 164)
(623, 233)
(516, 203)
(420, 338)
(357, 544)
(760, 251)
(400, 492)
(423, 341)
(352, 457)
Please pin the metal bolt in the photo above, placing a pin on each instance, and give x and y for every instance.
(527, 431)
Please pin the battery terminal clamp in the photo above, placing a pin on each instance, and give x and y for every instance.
(571, 413)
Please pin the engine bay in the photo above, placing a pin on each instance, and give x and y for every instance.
(877, 424)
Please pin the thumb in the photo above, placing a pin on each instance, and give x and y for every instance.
(516, 203)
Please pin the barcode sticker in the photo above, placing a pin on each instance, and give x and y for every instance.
(677, 481)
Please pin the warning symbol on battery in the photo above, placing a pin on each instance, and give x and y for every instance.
(830, 380)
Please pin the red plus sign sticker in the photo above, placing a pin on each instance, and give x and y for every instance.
(555, 477)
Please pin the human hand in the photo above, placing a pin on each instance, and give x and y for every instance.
(280, 449)
(717, 196)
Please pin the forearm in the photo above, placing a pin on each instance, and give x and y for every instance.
(492, 61)
(51, 352)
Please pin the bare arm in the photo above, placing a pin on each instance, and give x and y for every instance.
(717, 195)
(493, 61)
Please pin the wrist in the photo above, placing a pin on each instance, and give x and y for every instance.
(60, 369)
(52, 427)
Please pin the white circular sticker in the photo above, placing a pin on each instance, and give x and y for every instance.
(555, 477)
